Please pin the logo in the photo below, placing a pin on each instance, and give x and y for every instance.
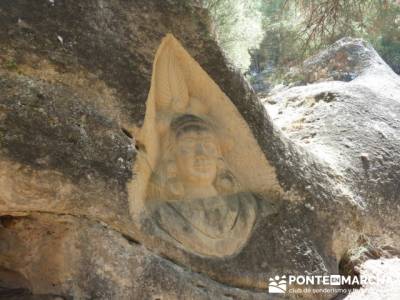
(277, 285)
(316, 283)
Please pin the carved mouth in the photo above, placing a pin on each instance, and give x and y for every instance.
(202, 164)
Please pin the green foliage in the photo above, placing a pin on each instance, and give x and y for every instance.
(296, 29)
(11, 64)
(389, 49)
(299, 28)
(385, 34)
(237, 27)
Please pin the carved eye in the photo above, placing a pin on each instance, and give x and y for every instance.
(190, 142)
(187, 145)
(210, 147)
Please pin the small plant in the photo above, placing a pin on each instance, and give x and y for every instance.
(11, 64)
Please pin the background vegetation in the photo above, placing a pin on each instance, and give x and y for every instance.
(273, 35)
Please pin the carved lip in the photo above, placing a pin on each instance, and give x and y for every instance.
(203, 164)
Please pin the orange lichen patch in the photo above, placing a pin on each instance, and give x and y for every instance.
(298, 124)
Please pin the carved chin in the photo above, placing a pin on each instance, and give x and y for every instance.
(203, 173)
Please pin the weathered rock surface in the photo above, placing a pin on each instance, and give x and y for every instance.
(74, 77)
(385, 275)
(352, 126)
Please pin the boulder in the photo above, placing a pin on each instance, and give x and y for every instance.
(74, 77)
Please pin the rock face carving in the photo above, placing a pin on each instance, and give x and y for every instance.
(203, 210)
(192, 187)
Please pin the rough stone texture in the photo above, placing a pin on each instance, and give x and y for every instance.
(352, 126)
(74, 76)
(65, 255)
(384, 275)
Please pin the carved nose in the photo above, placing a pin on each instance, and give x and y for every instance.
(200, 149)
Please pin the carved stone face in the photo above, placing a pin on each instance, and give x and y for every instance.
(196, 156)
